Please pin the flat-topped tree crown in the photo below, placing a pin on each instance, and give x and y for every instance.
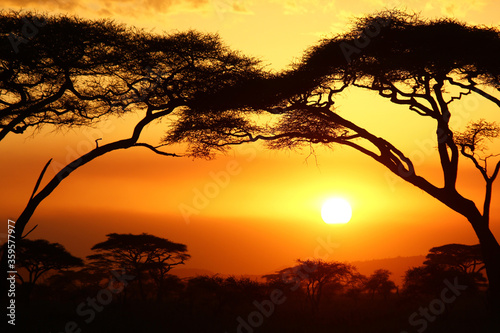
(396, 46)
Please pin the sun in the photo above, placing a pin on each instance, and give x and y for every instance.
(336, 211)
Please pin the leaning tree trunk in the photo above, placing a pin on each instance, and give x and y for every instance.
(490, 248)
(491, 257)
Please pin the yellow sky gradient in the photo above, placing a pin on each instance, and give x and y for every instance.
(262, 208)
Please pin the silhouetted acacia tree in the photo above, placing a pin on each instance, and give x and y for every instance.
(465, 259)
(155, 75)
(139, 255)
(40, 256)
(426, 66)
(450, 261)
(313, 276)
(379, 282)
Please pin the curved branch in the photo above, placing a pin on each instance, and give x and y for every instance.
(473, 86)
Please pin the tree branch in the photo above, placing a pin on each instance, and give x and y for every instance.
(154, 149)
(472, 86)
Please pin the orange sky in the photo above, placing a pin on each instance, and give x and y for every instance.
(266, 213)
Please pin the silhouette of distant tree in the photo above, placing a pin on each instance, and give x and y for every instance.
(40, 256)
(313, 276)
(428, 66)
(379, 282)
(466, 260)
(139, 255)
(449, 261)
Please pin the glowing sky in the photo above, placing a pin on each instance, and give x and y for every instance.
(254, 210)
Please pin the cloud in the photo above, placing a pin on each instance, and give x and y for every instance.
(134, 8)
(458, 8)
(222, 7)
(66, 5)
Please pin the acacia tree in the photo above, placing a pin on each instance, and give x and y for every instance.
(313, 276)
(425, 66)
(465, 261)
(40, 256)
(464, 258)
(139, 254)
(156, 76)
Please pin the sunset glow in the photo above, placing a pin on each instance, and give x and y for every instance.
(235, 210)
(250, 165)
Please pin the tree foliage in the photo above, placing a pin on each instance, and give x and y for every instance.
(464, 258)
(313, 276)
(40, 256)
(66, 74)
(72, 71)
(379, 282)
(139, 254)
(449, 261)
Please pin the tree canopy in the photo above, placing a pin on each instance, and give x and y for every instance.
(40, 256)
(139, 254)
(314, 276)
(379, 282)
(464, 258)
(60, 70)
(68, 71)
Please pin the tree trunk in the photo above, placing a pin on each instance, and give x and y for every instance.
(491, 257)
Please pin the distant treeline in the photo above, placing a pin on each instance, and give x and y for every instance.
(127, 270)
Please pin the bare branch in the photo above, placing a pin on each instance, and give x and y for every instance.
(154, 149)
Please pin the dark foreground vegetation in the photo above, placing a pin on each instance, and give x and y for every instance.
(127, 286)
(210, 312)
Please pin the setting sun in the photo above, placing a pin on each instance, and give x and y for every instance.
(336, 211)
